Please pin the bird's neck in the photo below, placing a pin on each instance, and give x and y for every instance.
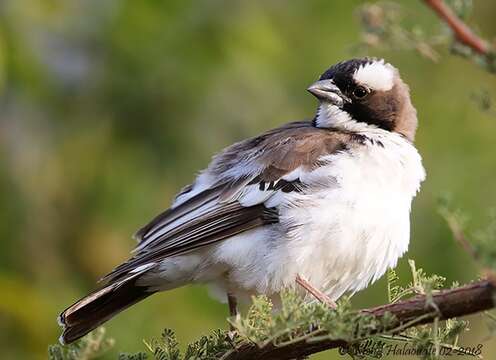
(331, 116)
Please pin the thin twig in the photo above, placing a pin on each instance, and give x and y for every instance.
(457, 230)
(461, 31)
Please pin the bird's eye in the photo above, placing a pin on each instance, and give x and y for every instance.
(360, 92)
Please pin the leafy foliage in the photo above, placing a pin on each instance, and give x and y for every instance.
(298, 320)
(137, 356)
(429, 338)
(421, 283)
(386, 24)
(90, 347)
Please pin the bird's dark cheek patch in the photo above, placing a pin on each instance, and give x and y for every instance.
(374, 112)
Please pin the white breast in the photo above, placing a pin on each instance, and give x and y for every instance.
(351, 233)
(341, 236)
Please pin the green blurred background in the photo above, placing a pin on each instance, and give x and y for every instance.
(109, 107)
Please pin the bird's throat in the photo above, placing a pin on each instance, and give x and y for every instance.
(331, 116)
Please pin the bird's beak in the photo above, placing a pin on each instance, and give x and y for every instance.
(327, 91)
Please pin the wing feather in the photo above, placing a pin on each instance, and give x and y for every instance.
(224, 222)
(232, 194)
(170, 215)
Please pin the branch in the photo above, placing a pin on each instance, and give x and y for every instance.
(461, 301)
(462, 32)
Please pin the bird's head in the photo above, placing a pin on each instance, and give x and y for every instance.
(364, 92)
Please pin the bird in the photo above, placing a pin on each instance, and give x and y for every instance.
(321, 206)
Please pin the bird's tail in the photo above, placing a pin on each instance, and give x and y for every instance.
(98, 307)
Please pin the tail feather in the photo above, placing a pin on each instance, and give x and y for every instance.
(98, 307)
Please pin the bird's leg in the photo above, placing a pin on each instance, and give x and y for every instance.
(233, 307)
(233, 304)
(316, 293)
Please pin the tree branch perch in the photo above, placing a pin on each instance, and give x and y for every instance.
(461, 31)
(466, 300)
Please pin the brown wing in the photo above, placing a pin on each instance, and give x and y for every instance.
(215, 214)
(216, 223)
(282, 150)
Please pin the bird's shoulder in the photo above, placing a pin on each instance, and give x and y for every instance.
(279, 151)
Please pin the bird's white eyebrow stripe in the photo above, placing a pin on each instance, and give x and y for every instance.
(377, 75)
